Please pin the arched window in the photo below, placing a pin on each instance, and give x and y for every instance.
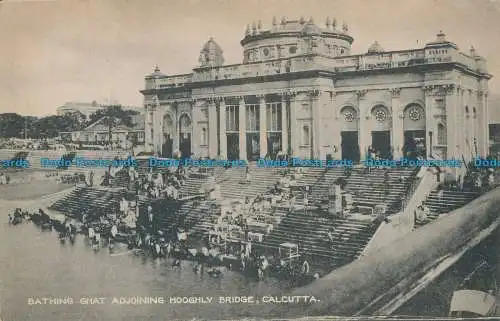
(305, 135)
(203, 136)
(466, 109)
(441, 134)
(185, 124)
(474, 112)
(168, 125)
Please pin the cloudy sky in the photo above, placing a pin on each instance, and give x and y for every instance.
(84, 50)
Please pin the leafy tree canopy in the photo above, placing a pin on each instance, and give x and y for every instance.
(13, 125)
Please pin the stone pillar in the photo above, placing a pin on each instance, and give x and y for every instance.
(157, 126)
(176, 144)
(462, 123)
(336, 128)
(486, 126)
(212, 129)
(479, 124)
(294, 130)
(451, 121)
(148, 138)
(364, 124)
(397, 139)
(222, 130)
(284, 125)
(262, 125)
(429, 122)
(317, 100)
(242, 129)
(197, 115)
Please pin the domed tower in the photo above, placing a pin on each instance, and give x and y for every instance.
(311, 40)
(290, 38)
(211, 55)
(375, 48)
(440, 42)
(152, 77)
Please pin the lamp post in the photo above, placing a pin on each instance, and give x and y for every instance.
(430, 143)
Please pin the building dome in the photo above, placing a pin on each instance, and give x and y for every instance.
(310, 29)
(211, 45)
(441, 41)
(294, 37)
(211, 55)
(375, 48)
(156, 73)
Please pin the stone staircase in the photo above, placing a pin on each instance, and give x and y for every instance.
(319, 188)
(85, 199)
(7, 154)
(368, 188)
(195, 217)
(310, 232)
(234, 186)
(450, 200)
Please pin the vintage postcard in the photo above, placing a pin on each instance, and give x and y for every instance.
(249, 160)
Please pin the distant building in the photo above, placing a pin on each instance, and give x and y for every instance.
(88, 109)
(98, 134)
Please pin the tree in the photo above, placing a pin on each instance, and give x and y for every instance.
(11, 125)
(78, 119)
(113, 116)
(50, 126)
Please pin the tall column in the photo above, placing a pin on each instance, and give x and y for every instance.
(242, 128)
(486, 125)
(480, 125)
(429, 122)
(294, 130)
(262, 125)
(177, 138)
(316, 132)
(336, 128)
(322, 101)
(284, 125)
(157, 130)
(222, 130)
(462, 122)
(451, 121)
(397, 140)
(364, 124)
(212, 129)
(149, 128)
(197, 121)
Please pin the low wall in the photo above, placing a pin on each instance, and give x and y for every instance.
(352, 288)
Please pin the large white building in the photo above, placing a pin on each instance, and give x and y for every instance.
(302, 91)
(88, 109)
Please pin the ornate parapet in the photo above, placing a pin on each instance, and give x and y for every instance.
(288, 92)
(313, 93)
(440, 90)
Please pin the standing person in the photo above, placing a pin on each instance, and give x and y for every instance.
(440, 193)
(248, 176)
(91, 178)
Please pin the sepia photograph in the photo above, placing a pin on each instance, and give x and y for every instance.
(249, 160)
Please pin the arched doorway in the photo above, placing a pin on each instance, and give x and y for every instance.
(350, 134)
(168, 136)
(414, 132)
(185, 129)
(381, 131)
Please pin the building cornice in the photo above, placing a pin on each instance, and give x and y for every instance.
(424, 68)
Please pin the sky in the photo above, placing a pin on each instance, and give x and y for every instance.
(52, 52)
